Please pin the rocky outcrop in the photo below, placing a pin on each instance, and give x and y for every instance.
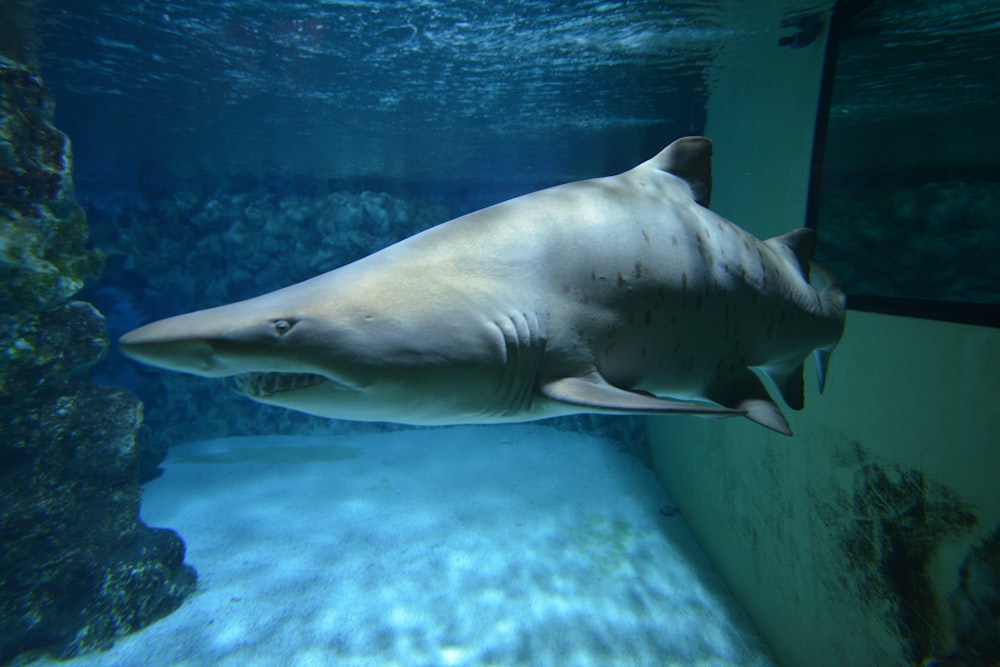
(43, 231)
(77, 567)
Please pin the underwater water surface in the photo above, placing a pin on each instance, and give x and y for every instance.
(395, 90)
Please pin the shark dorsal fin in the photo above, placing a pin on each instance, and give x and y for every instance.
(690, 159)
(802, 243)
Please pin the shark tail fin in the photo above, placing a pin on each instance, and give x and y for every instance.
(801, 243)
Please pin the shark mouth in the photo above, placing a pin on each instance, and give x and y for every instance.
(265, 385)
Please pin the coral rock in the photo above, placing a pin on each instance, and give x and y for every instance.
(43, 231)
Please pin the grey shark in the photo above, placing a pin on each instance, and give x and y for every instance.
(623, 294)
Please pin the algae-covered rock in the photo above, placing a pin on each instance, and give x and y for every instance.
(39, 348)
(78, 567)
(43, 231)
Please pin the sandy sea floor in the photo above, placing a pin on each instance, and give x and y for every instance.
(503, 545)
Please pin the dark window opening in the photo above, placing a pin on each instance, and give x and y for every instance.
(905, 190)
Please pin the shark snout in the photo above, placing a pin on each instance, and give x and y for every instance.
(187, 356)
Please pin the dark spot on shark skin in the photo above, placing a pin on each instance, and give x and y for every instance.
(648, 317)
(677, 347)
(675, 240)
(566, 289)
(684, 282)
(645, 236)
(621, 279)
(586, 299)
(638, 268)
(593, 277)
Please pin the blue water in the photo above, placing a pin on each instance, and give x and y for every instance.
(522, 90)
(225, 149)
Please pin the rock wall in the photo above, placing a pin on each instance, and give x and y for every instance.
(77, 567)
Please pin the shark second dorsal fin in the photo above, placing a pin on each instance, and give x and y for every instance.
(802, 243)
(690, 159)
(594, 393)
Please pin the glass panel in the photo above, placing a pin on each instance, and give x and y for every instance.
(910, 198)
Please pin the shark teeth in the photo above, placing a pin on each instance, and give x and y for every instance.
(264, 385)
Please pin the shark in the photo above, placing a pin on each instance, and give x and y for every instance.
(624, 294)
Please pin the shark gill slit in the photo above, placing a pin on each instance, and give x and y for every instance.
(524, 343)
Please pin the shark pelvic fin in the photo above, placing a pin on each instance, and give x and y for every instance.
(746, 393)
(766, 413)
(690, 159)
(791, 385)
(594, 392)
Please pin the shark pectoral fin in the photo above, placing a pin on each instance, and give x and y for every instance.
(747, 394)
(594, 392)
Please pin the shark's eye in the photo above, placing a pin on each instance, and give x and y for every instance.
(281, 327)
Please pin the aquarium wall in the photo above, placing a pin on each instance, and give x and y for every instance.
(870, 536)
